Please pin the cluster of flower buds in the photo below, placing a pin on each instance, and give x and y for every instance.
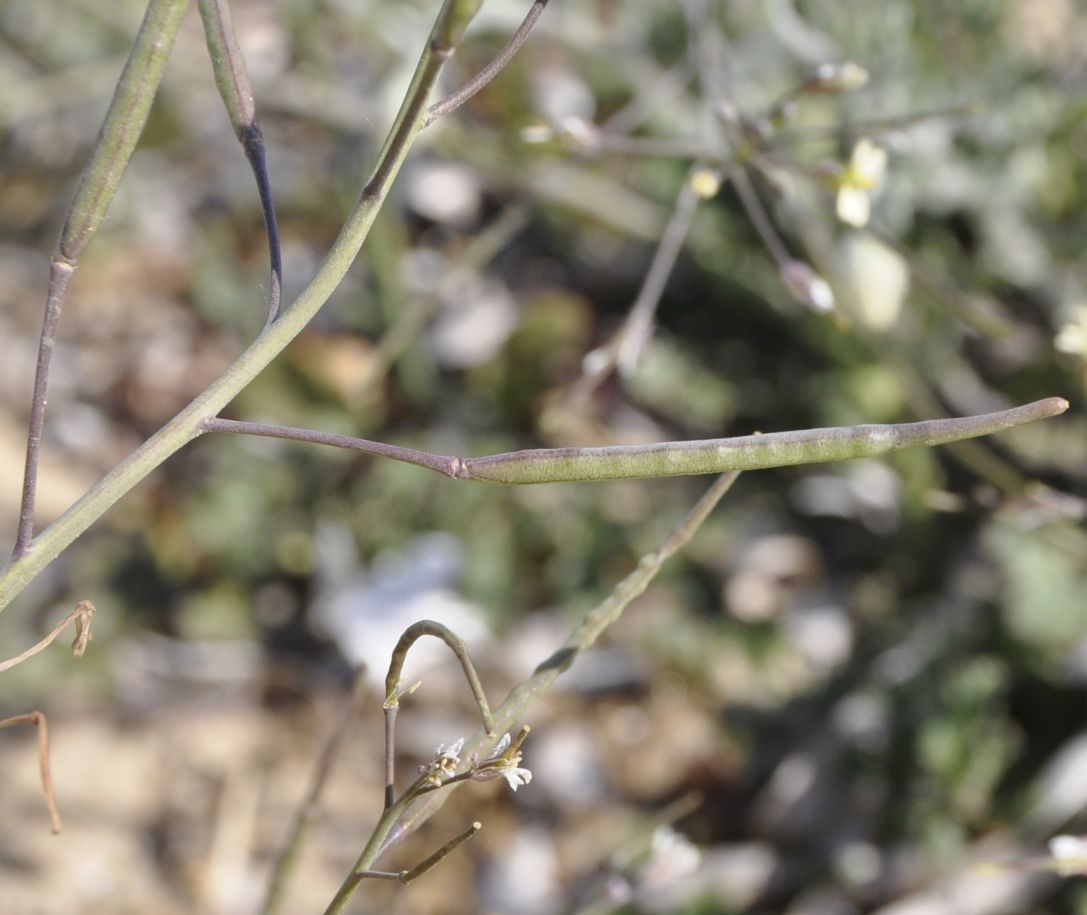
(504, 762)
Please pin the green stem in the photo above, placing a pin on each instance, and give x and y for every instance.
(186, 426)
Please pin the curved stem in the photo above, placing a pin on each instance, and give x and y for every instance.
(455, 99)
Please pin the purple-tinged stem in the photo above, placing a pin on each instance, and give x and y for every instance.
(60, 272)
(453, 101)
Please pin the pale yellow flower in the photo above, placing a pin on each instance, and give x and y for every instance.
(858, 180)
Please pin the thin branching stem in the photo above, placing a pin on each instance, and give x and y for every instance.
(478, 82)
(627, 345)
(392, 687)
(59, 275)
(310, 807)
(663, 459)
(453, 19)
(760, 219)
(121, 129)
(581, 640)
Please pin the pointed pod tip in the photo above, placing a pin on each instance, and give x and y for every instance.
(1054, 406)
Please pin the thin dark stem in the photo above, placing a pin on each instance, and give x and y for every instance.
(745, 190)
(639, 323)
(390, 753)
(453, 101)
(307, 812)
(60, 272)
(436, 462)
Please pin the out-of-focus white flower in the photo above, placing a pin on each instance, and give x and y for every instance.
(1072, 337)
(858, 180)
(580, 134)
(1069, 854)
(842, 77)
(540, 132)
(807, 286)
(671, 856)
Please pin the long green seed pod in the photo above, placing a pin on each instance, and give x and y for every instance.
(751, 452)
(123, 125)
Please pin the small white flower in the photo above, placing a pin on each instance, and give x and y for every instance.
(581, 135)
(451, 753)
(444, 764)
(1069, 854)
(858, 180)
(514, 775)
(843, 77)
(503, 764)
(500, 747)
(537, 133)
(671, 856)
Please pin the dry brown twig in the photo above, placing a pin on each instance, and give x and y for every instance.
(81, 617)
(38, 719)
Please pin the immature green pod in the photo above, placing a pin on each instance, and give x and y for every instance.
(750, 452)
(123, 125)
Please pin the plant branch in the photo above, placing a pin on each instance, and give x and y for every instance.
(307, 812)
(121, 129)
(187, 425)
(392, 687)
(581, 640)
(626, 345)
(454, 100)
(663, 459)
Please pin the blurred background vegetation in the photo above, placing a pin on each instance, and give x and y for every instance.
(860, 680)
